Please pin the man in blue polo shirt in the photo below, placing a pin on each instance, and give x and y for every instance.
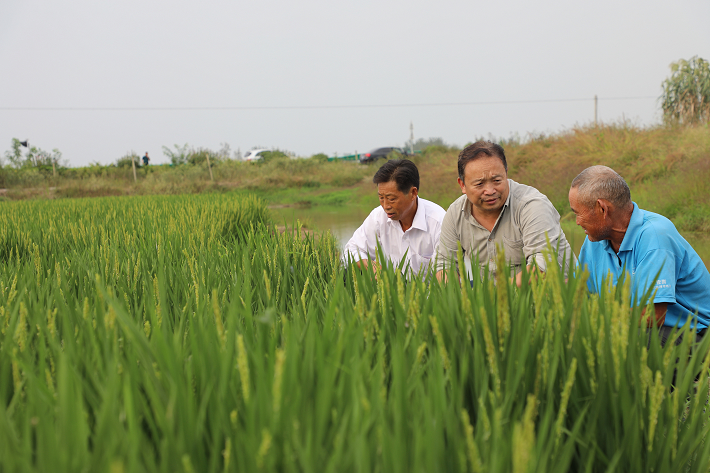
(620, 236)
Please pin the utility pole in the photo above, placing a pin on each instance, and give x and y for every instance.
(595, 110)
(411, 138)
(133, 163)
(209, 166)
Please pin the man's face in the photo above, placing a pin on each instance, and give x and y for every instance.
(485, 184)
(396, 204)
(590, 219)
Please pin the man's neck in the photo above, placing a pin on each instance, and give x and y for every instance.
(619, 228)
(487, 219)
(407, 221)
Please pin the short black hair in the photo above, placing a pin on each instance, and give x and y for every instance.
(402, 171)
(478, 149)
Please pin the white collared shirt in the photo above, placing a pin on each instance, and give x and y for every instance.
(421, 239)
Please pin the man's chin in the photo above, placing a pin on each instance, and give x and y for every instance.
(492, 207)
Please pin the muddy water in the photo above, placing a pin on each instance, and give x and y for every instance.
(341, 221)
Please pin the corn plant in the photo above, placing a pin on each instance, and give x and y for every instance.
(686, 93)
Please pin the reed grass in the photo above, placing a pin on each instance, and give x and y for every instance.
(185, 333)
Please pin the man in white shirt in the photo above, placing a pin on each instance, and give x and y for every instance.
(407, 226)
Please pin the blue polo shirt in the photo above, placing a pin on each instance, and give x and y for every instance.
(659, 259)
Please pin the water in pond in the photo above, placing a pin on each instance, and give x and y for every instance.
(342, 221)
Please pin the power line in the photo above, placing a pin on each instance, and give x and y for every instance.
(307, 107)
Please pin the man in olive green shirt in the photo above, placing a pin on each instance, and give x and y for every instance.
(495, 210)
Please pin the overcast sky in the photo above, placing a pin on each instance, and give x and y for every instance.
(328, 76)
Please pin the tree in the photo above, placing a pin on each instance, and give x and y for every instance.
(15, 155)
(686, 93)
(190, 155)
(36, 157)
(421, 144)
(127, 160)
(179, 156)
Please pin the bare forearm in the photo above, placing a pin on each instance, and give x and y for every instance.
(659, 315)
(441, 276)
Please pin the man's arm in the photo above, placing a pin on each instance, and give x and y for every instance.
(441, 276)
(364, 263)
(539, 221)
(532, 271)
(660, 313)
(655, 271)
(363, 243)
(448, 243)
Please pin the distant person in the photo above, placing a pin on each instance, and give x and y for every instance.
(495, 211)
(404, 223)
(146, 159)
(621, 236)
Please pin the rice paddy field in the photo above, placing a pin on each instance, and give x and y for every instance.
(186, 333)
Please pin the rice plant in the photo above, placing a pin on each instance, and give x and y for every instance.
(186, 333)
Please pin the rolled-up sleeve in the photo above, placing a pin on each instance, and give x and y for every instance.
(538, 221)
(656, 271)
(363, 243)
(448, 239)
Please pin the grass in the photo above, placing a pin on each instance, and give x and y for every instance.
(184, 333)
(667, 168)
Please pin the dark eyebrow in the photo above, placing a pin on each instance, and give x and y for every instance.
(492, 177)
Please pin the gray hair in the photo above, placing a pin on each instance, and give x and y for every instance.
(601, 182)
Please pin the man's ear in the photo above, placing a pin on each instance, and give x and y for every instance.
(462, 185)
(603, 206)
(414, 192)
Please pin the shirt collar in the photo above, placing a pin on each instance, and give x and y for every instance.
(419, 221)
(630, 237)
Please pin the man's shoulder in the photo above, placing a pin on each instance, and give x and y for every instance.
(432, 210)
(526, 201)
(656, 232)
(657, 221)
(458, 204)
(522, 193)
(378, 213)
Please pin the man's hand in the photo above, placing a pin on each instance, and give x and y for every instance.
(660, 314)
(366, 264)
(532, 272)
(441, 276)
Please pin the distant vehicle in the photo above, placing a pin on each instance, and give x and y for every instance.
(255, 154)
(380, 153)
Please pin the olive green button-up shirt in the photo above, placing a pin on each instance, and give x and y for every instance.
(527, 219)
